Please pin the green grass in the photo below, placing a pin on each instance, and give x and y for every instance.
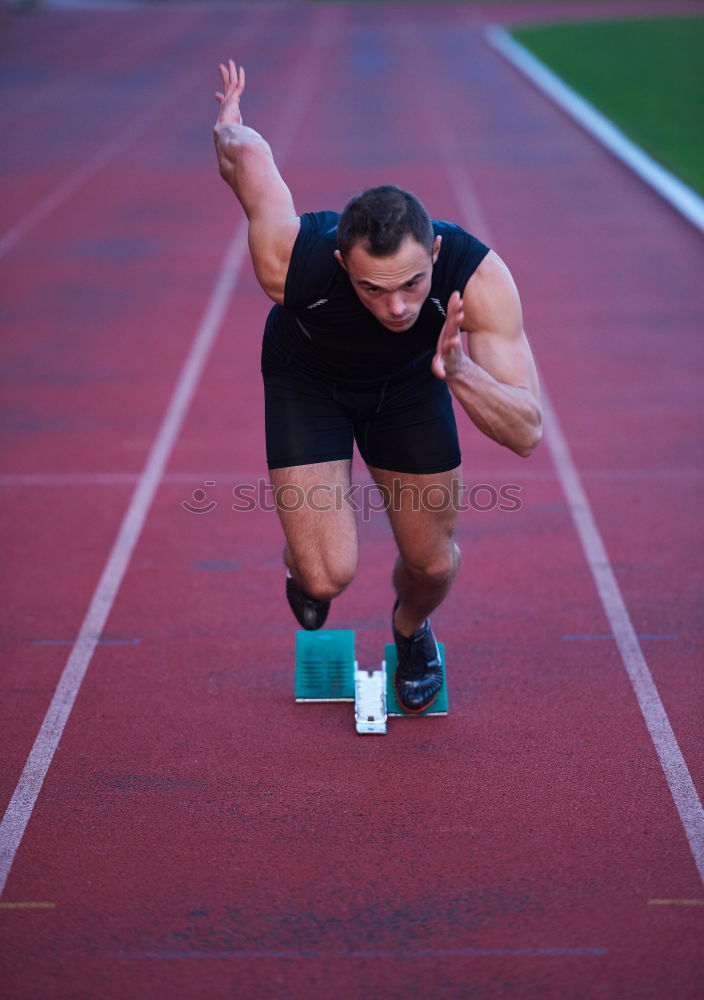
(646, 76)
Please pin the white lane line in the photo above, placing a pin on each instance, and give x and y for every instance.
(671, 758)
(197, 477)
(69, 479)
(63, 192)
(681, 197)
(19, 811)
(60, 90)
(234, 477)
(75, 180)
(22, 803)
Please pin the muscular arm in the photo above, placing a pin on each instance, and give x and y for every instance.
(495, 382)
(247, 165)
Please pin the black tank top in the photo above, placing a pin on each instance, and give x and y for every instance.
(334, 333)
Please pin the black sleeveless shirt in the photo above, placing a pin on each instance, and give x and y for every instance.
(332, 331)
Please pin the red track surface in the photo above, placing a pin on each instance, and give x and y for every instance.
(199, 835)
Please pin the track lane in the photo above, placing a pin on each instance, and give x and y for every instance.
(522, 858)
(648, 303)
(22, 802)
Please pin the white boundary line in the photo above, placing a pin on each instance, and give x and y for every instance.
(19, 811)
(68, 187)
(671, 758)
(103, 155)
(63, 89)
(681, 197)
(22, 803)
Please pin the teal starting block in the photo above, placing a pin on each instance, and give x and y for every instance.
(327, 671)
(439, 706)
(325, 665)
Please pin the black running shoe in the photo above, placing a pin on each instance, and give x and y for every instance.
(309, 611)
(419, 674)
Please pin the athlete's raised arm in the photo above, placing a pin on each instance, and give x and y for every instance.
(495, 381)
(247, 164)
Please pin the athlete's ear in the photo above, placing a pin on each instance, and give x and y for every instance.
(436, 248)
(340, 260)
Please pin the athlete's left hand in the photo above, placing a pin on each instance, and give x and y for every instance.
(449, 356)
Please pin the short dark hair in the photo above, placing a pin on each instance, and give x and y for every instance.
(381, 218)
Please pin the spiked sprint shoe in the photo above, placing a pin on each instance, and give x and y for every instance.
(419, 674)
(309, 611)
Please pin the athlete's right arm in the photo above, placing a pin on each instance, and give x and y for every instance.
(247, 164)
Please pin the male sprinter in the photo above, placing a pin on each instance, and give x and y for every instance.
(364, 344)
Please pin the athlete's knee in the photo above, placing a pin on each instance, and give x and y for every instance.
(327, 580)
(437, 567)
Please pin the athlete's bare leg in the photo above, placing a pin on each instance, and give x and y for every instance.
(319, 525)
(423, 512)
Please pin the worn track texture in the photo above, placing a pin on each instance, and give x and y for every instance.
(198, 834)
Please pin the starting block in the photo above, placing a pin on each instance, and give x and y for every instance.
(327, 671)
(325, 665)
(439, 706)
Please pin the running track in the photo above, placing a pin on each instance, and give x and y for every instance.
(199, 835)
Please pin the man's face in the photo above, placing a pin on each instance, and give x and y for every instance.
(392, 288)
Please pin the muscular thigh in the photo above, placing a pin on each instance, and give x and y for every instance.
(422, 509)
(318, 521)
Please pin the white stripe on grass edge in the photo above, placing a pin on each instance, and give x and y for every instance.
(19, 811)
(681, 197)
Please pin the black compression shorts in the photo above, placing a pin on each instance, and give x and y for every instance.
(401, 423)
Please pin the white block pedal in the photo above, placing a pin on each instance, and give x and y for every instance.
(370, 700)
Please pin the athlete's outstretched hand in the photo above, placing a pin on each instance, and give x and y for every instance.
(449, 356)
(229, 97)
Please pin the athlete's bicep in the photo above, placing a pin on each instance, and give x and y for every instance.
(493, 320)
(273, 227)
(271, 239)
